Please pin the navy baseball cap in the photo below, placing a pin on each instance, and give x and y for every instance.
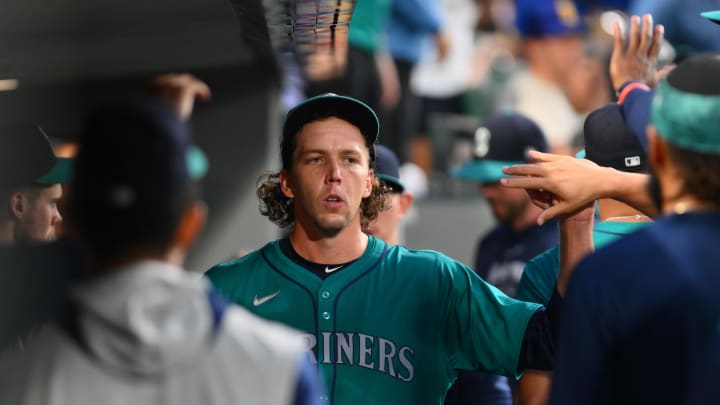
(134, 157)
(26, 157)
(548, 18)
(333, 105)
(502, 140)
(610, 142)
(387, 167)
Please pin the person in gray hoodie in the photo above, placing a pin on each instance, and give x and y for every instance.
(138, 329)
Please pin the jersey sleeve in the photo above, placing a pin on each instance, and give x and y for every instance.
(539, 277)
(307, 390)
(484, 327)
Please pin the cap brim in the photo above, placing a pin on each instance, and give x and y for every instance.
(60, 173)
(354, 111)
(713, 16)
(197, 163)
(396, 183)
(482, 171)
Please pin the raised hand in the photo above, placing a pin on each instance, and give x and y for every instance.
(636, 60)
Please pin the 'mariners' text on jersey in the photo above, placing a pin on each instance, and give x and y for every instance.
(361, 350)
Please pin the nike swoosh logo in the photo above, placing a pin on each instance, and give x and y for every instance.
(259, 301)
(330, 270)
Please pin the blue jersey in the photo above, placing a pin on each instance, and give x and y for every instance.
(501, 255)
(641, 321)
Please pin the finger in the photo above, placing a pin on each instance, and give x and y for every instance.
(539, 157)
(646, 34)
(617, 40)
(657, 39)
(553, 212)
(532, 183)
(633, 36)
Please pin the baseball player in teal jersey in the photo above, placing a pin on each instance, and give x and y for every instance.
(386, 324)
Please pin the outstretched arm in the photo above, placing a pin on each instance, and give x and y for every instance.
(180, 90)
(563, 184)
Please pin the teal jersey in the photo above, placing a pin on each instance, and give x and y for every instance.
(538, 280)
(389, 328)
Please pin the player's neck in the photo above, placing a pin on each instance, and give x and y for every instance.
(346, 246)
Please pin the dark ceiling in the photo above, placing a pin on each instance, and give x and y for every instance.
(69, 54)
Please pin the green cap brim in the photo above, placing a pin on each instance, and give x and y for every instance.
(197, 163)
(482, 171)
(713, 16)
(60, 173)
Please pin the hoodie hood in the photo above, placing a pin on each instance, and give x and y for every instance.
(150, 318)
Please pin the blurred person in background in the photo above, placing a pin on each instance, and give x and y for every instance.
(552, 46)
(501, 254)
(30, 186)
(388, 222)
(138, 328)
(413, 26)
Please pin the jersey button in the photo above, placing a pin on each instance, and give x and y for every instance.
(326, 315)
(324, 398)
(325, 294)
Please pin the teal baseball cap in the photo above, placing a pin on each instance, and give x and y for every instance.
(686, 107)
(327, 105)
(27, 157)
(502, 140)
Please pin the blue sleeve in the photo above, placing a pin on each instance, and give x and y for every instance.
(583, 350)
(636, 110)
(308, 389)
(421, 15)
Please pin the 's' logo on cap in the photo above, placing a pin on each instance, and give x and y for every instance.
(482, 142)
(567, 12)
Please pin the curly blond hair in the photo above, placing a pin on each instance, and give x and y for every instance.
(281, 210)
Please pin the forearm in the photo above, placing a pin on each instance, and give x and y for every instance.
(576, 241)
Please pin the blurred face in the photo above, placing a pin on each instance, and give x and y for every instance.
(385, 226)
(330, 176)
(507, 204)
(38, 214)
(561, 54)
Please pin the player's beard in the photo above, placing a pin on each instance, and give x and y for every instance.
(655, 190)
(510, 211)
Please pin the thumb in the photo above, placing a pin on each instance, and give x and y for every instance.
(553, 212)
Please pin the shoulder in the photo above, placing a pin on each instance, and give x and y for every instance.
(228, 269)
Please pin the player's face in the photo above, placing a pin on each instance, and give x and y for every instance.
(330, 176)
(39, 215)
(506, 203)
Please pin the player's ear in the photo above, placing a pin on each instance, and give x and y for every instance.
(657, 151)
(18, 204)
(404, 202)
(285, 186)
(191, 224)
